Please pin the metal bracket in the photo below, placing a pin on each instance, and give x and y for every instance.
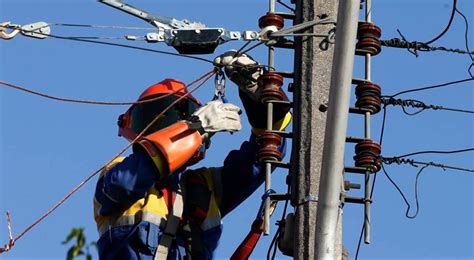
(39, 30)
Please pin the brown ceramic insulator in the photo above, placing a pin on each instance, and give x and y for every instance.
(368, 35)
(269, 143)
(271, 19)
(368, 155)
(368, 96)
(368, 30)
(271, 83)
(368, 161)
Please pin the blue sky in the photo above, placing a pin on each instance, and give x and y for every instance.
(47, 147)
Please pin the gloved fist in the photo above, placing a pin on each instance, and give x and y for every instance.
(242, 70)
(216, 116)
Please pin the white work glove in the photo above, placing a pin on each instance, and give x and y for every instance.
(242, 70)
(216, 116)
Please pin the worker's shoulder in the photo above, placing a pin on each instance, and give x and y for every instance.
(111, 164)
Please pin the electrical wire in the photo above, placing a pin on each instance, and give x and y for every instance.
(451, 18)
(431, 87)
(437, 152)
(407, 213)
(399, 161)
(419, 104)
(286, 5)
(420, 46)
(12, 241)
(117, 45)
(466, 41)
(90, 102)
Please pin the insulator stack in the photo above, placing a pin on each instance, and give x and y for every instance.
(368, 155)
(368, 96)
(271, 83)
(268, 24)
(269, 143)
(368, 36)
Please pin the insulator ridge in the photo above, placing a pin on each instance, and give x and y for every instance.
(368, 96)
(367, 155)
(368, 36)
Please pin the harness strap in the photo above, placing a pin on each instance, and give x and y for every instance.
(171, 227)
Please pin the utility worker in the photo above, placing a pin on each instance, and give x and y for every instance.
(149, 205)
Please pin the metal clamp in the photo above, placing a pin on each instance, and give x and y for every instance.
(219, 87)
(39, 30)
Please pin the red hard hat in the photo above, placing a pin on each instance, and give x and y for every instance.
(139, 116)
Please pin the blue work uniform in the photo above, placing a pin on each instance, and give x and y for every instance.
(131, 204)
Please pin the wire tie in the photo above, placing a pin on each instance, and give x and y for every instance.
(308, 198)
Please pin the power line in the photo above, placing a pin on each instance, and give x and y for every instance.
(466, 41)
(451, 18)
(420, 46)
(437, 152)
(419, 104)
(431, 87)
(407, 213)
(90, 102)
(117, 45)
(399, 161)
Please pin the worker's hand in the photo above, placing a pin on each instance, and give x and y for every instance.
(216, 116)
(242, 70)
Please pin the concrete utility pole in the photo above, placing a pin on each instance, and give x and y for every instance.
(313, 65)
(328, 216)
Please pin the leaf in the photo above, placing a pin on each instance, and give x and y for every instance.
(74, 232)
(94, 243)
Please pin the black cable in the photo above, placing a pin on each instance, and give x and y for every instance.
(287, 6)
(466, 40)
(448, 26)
(407, 213)
(272, 244)
(399, 161)
(437, 152)
(117, 45)
(130, 47)
(431, 87)
(420, 105)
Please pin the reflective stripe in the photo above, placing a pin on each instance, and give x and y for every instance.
(132, 220)
(280, 125)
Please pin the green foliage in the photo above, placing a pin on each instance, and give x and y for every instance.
(79, 247)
